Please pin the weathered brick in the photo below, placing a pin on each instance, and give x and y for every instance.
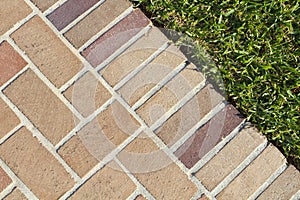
(208, 136)
(190, 114)
(87, 94)
(43, 4)
(69, 11)
(47, 51)
(8, 119)
(4, 180)
(108, 183)
(117, 36)
(41, 106)
(12, 11)
(284, 187)
(10, 62)
(254, 175)
(91, 24)
(35, 166)
(16, 194)
(134, 56)
(229, 157)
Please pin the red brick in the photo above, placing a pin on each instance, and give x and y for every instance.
(208, 136)
(44, 4)
(96, 21)
(35, 166)
(69, 11)
(113, 39)
(15, 195)
(8, 119)
(87, 94)
(11, 12)
(47, 51)
(108, 183)
(4, 180)
(10, 62)
(41, 106)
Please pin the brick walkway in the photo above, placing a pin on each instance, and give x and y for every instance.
(96, 103)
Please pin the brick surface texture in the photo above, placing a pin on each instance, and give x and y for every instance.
(98, 103)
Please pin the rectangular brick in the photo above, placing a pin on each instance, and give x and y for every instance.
(47, 51)
(10, 62)
(4, 180)
(11, 12)
(69, 11)
(235, 152)
(108, 183)
(35, 166)
(96, 21)
(8, 119)
(208, 136)
(254, 175)
(44, 4)
(114, 38)
(41, 106)
(284, 187)
(133, 57)
(87, 94)
(16, 194)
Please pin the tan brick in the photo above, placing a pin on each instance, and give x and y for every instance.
(35, 166)
(47, 51)
(44, 4)
(229, 157)
(15, 195)
(91, 24)
(108, 183)
(140, 197)
(203, 197)
(4, 180)
(87, 94)
(133, 56)
(284, 187)
(8, 119)
(41, 106)
(254, 175)
(12, 11)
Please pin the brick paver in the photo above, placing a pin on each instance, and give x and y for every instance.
(8, 119)
(44, 4)
(15, 195)
(4, 180)
(140, 197)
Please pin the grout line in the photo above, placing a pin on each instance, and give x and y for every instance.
(214, 111)
(125, 46)
(80, 74)
(202, 190)
(54, 7)
(134, 195)
(25, 190)
(9, 134)
(7, 190)
(296, 196)
(227, 180)
(7, 83)
(106, 28)
(217, 148)
(159, 85)
(141, 66)
(268, 182)
(83, 15)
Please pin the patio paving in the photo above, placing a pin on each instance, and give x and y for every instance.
(97, 103)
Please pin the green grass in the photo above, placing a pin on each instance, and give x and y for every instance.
(256, 46)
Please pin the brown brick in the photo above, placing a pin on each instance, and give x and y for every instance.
(235, 152)
(15, 195)
(254, 175)
(41, 106)
(284, 187)
(87, 94)
(140, 197)
(4, 180)
(47, 51)
(96, 21)
(10, 62)
(108, 183)
(35, 166)
(44, 4)
(133, 56)
(190, 114)
(12, 11)
(208, 136)
(8, 119)
(117, 36)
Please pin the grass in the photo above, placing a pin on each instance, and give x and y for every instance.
(256, 46)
